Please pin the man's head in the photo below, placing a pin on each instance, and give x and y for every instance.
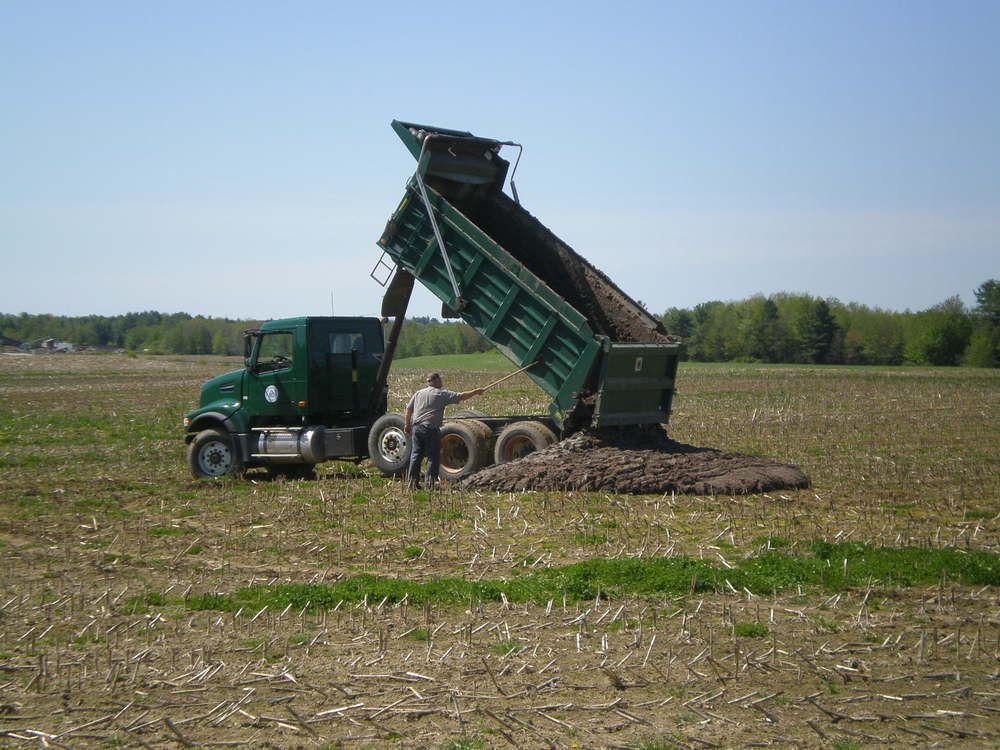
(434, 379)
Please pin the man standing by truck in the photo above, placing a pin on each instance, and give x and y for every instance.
(422, 422)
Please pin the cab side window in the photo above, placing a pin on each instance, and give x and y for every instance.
(345, 343)
(276, 351)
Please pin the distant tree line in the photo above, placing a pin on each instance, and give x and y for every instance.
(180, 333)
(786, 328)
(154, 332)
(423, 336)
(799, 328)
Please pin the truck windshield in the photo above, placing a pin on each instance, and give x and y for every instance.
(275, 351)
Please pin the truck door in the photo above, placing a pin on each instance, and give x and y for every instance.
(346, 356)
(276, 383)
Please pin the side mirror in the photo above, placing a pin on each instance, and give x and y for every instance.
(247, 349)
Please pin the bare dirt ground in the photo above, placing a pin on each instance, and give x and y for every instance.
(106, 543)
(637, 462)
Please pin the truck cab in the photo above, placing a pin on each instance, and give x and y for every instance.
(308, 392)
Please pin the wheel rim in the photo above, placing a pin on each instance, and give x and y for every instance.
(392, 445)
(215, 458)
(454, 454)
(517, 447)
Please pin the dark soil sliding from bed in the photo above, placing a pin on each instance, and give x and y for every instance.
(637, 462)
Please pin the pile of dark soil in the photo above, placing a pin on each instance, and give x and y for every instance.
(637, 462)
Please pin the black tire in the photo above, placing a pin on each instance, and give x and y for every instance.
(519, 439)
(465, 448)
(388, 446)
(213, 454)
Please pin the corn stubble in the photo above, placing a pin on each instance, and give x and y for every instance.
(108, 633)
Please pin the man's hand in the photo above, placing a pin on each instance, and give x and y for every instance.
(407, 428)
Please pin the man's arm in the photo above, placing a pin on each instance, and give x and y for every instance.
(466, 395)
(408, 419)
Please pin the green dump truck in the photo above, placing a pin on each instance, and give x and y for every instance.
(314, 389)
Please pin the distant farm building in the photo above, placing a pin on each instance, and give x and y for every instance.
(52, 345)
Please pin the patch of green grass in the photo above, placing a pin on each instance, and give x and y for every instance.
(657, 743)
(767, 572)
(99, 505)
(30, 504)
(465, 743)
(32, 460)
(503, 648)
(979, 515)
(139, 605)
(264, 647)
(750, 630)
(413, 552)
(593, 539)
(165, 531)
(419, 634)
(87, 639)
(825, 623)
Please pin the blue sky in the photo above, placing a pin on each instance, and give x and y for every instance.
(236, 159)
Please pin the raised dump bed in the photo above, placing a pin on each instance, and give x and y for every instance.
(602, 359)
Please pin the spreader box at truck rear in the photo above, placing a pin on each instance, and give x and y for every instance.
(602, 359)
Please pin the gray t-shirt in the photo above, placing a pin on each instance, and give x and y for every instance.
(428, 405)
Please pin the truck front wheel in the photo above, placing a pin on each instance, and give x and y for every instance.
(519, 439)
(388, 445)
(212, 454)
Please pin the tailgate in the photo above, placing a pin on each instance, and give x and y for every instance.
(636, 384)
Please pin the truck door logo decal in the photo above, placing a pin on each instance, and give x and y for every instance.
(271, 394)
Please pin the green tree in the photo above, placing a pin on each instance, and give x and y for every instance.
(940, 335)
(764, 334)
(818, 333)
(715, 326)
(988, 300)
(984, 343)
(219, 344)
(679, 322)
(870, 336)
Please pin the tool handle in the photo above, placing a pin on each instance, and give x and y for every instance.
(510, 375)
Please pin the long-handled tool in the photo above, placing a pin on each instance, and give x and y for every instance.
(510, 375)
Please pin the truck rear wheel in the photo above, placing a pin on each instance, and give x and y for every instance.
(212, 454)
(388, 445)
(465, 448)
(519, 439)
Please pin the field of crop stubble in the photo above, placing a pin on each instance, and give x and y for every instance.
(140, 608)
